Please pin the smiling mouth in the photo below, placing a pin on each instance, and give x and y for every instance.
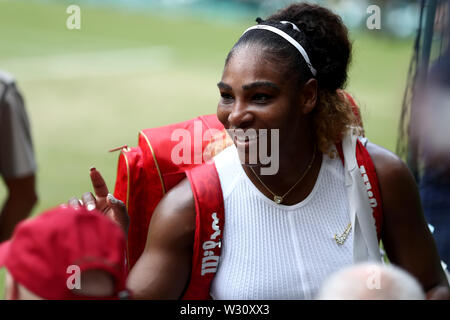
(244, 139)
(247, 134)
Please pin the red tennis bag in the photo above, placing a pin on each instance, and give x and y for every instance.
(164, 156)
(146, 172)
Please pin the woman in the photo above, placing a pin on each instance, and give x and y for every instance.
(280, 248)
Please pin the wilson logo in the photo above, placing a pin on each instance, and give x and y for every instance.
(372, 201)
(211, 261)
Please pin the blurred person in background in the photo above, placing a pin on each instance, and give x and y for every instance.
(430, 132)
(65, 253)
(435, 154)
(17, 162)
(371, 281)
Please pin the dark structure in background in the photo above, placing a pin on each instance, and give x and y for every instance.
(424, 131)
(17, 161)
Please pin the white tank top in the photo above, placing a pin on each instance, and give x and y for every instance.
(272, 251)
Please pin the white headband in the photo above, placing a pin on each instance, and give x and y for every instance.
(292, 24)
(288, 38)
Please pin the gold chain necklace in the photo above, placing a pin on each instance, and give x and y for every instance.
(279, 199)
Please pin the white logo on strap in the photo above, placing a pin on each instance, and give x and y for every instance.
(372, 199)
(210, 261)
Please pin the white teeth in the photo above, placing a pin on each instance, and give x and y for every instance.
(245, 139)
(247, 136)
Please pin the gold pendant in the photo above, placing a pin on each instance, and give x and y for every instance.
(277, 199)
(341, 239)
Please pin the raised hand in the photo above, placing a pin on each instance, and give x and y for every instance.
(103, 201)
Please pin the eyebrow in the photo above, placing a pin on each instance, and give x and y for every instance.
(252, 85)
(260, 84)
(222, 85)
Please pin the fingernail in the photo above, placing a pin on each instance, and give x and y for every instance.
(90, 206)
(73, 202)
(113, 199)
(92, 168)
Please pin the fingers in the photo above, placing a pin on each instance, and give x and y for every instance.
(89, 201)
(100, 188)
(115, 209)
(119, 212)
(113, 201)
(74, 203)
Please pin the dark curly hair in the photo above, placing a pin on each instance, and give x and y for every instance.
(325, 38)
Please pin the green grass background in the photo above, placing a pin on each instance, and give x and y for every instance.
(93, 89)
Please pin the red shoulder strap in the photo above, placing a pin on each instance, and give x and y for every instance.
(209, 205)
(370, 178)
(355, 108)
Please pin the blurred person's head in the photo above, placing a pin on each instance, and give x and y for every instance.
(428, 128)
(371, 281)
(93, 284)
(268, 83)
(63, 254)
(431, 128)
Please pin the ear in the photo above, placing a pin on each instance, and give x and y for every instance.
(309, 95)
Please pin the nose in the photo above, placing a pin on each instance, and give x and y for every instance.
(240, 117)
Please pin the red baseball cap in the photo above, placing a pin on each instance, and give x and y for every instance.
(44, 251)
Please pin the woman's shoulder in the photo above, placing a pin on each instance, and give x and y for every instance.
(387, 164)
(175, 213)
(397, 185)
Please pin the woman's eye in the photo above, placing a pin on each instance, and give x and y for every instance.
(226, 97)
(261, 98)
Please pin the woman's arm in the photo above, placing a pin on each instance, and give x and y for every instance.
(162, 271)
(405, 234)
(21, 199)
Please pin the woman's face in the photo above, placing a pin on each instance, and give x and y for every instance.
(256, 93)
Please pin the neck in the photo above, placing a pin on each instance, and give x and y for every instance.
(291, 165)
(295, 152)
(295, 157)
